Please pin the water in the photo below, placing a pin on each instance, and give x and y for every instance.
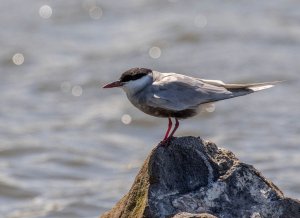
(64, 150)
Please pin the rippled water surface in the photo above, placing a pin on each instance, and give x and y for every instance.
(71, 149)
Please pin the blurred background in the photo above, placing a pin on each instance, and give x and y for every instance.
(71, 149)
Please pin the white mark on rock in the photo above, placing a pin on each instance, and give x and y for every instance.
(215, 191)
(186, 202)
(209, 168)
(162, 196)
(255, 215)
(265, 193)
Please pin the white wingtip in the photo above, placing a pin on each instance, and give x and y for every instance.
(261, 87)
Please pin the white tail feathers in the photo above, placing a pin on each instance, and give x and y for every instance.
(248, 86)
(261, 87)
(252, 86)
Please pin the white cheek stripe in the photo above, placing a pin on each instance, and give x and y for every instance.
(136, 85)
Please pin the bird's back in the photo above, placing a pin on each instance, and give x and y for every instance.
(177, 95)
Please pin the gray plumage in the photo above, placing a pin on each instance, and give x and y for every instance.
(176, 95)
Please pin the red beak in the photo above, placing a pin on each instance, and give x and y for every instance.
(113, 85)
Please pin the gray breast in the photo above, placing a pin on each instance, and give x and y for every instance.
(160, 112)
(139, 101)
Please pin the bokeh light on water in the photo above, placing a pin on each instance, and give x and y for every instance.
(155, 52)
(95, 12)
(200, 21)
(77, 90)
(65, 86)
(210, 107)
(126, 119)
(45, 11)
(18, 59)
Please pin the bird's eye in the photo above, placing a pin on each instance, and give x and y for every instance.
(127, 78)
(124, 79)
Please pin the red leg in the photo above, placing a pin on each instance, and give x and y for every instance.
(175, 128)
(168, 130)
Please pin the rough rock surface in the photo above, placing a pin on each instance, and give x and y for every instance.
(194, 178)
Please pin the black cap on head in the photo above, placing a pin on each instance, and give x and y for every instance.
(134, 74)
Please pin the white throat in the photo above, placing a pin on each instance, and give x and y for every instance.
(134, 86)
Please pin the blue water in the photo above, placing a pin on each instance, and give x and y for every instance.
(64, 150)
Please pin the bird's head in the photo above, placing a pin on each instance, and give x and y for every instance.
(133, 80)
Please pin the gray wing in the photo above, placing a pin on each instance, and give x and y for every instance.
(178, 92)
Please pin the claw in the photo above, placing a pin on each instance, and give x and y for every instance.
(166, 142)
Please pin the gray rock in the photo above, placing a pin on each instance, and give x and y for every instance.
(190, 215)
(194, 178)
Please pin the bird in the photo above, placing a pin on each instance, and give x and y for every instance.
(177, 96)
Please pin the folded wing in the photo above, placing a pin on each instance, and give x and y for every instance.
(178, 92)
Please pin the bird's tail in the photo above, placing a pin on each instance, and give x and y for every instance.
(251, 86)
(240, 89)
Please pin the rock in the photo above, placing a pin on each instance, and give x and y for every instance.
(189, 215)
(194, 178)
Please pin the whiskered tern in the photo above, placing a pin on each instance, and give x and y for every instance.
(178, 96)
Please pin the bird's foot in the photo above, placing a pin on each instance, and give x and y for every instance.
(166, 142)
